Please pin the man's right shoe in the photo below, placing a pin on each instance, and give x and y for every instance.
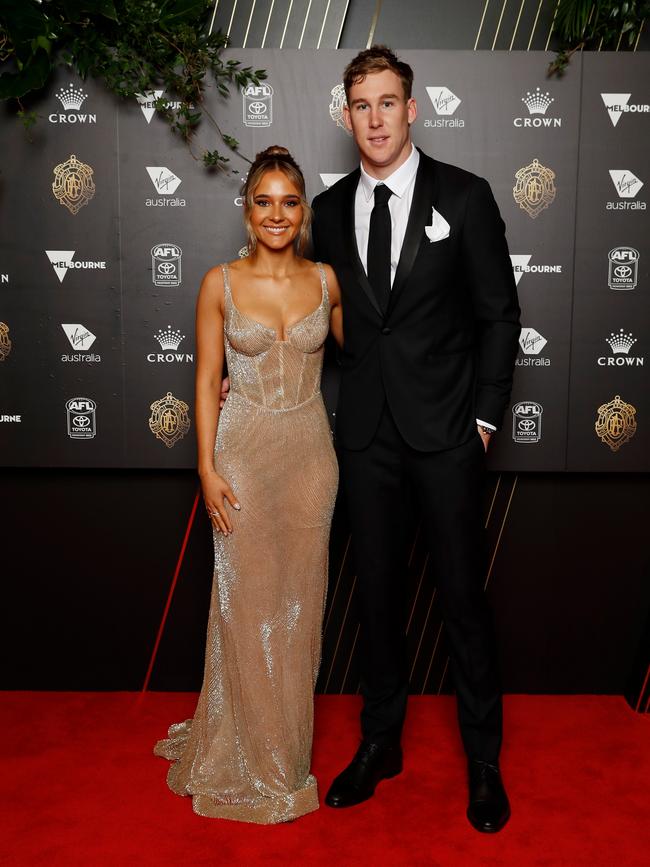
(371, 764)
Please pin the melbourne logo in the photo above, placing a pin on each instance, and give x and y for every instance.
(147, 102)
(5, 341)
(73, 184)
(71, 99)
(337, 104)
(534, 189)
(537, 104)
(166, 264)
(80, 339)
(616, 423)
(520, 266)
(63, 260)
(169, 340)
(628, 186)
(623, 268)
(527, 422)
(169, 420)
(531, 343)
(257, 100)
(620, 343)
(81, 413)
(618, 104)
(444, 104)
(166, 184)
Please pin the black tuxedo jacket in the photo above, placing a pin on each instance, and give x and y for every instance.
(443, 353)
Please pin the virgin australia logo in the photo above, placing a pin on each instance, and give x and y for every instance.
(80, 339)
(627, 186)
(166, 184)
(532, 343)
(444, 104)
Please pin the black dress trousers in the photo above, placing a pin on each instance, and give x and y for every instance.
(448, 485)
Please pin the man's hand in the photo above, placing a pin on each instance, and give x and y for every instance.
(484, 436)
(225, 389)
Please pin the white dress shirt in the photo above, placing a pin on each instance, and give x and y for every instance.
(401, 183)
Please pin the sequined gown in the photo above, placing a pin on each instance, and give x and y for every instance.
(246, 753)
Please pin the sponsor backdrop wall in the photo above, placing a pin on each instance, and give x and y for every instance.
(110, 225)
(107, 226)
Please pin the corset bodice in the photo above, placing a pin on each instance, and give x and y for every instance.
(277, 374)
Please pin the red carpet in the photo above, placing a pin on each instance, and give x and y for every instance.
(81, 787)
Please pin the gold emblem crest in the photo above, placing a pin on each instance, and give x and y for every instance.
(73, 184)
(5, 342)
(616, 423)
(534, 190)
(336, 106)
(169, 420)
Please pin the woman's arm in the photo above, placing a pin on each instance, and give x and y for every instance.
(209, 367)
(336, 310)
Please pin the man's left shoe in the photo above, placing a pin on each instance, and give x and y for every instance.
(488, 809)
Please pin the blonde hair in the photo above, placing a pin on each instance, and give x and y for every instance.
(276, 158)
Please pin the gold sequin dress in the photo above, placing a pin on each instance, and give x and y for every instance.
(246, 754)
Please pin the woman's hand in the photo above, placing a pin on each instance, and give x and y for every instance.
(225, 391)
(216, 493)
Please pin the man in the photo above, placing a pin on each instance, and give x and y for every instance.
(431, 325)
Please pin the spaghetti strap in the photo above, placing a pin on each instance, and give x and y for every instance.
(323, 281)
(225, 270)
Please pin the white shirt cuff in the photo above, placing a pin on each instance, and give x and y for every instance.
(482, 423)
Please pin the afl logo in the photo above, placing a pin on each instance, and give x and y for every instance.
(258, 104)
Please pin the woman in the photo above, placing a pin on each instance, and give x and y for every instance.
(269, 485)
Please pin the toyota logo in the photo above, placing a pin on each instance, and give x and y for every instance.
(81, 421)
(166, 267)
(257, 107)
(526, 424)
(623, 271)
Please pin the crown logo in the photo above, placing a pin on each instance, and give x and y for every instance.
(169, 339)
(537, 102)
(72, 97)
(621, 343)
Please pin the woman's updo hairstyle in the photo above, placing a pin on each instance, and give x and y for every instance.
(276, 158)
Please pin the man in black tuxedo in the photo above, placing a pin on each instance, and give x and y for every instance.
(431, 324)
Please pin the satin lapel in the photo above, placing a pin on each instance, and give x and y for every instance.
(351, 240)
(419, 217)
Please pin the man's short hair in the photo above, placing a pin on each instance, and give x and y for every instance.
(376, 59)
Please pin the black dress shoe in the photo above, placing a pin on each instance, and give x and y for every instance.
(488, 809)
(357, 783)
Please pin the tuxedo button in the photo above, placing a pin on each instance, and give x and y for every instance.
(385, 330)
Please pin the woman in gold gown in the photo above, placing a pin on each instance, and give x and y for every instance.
(269, 484)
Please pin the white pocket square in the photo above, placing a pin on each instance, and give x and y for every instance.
(439, 228)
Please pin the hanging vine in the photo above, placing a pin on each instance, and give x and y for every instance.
(604, 25)
(133, 47)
